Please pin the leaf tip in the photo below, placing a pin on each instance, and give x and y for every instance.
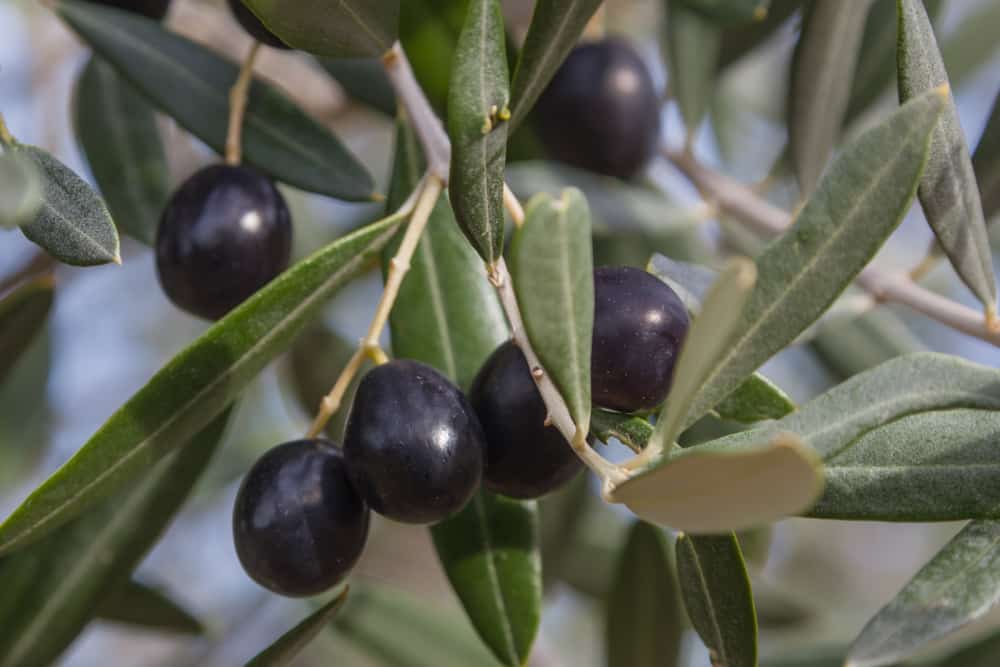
(377, 197)
(992, 321)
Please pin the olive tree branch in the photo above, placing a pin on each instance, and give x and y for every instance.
(437, 148)
(741, 202)
(238, 105)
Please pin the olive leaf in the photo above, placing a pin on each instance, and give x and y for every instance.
(556, 25)
(187, 393)
(23, 313)
(849, 348)
(478, 97)
(41, 614)
(20, 189)
(116, 129)
(948, 191)
(363, 79)
(191, 84)
(285, 649)
(552, 266)
(342, 29)
(957, 586)
(731, 11)
(141, 605)
(716, 591)
(740, 39)
(693, 46)
(860, 201)
(448, 315)
(73, 224)
(986, 162)
(644, 622)
(821, 74)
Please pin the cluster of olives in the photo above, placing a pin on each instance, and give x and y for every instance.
(416, 449)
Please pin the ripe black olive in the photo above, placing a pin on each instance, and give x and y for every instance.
(524, 457)
(413, 444)
(298, 524)
(224, 234)
(601, 111)
(639, 325)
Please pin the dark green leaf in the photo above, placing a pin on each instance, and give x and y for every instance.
(956, 587)
(21, 193)
(986, 162)
(731, 11)
(552, 266)
(429, 32)
(190, 390)
(490, 552)
(633, 432)
(643, 617)
(341, 29)
(191, 84)
(363, 79)
(555, 28)
(290, 644)
(716, 591)
(478, 111)
(41, 614)
(739, 40)
(693, 43)
(948, 191)
(73, 224)
(135, 603)
(861, 200)
(447, 315)
(22, 315)
(822, 70)
(400, 630)
(117, 132)
(980, 653)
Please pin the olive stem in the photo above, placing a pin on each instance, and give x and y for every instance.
(5, 136)
(741, 202)
(425, 122)
(369, 347)
(513, 206)
(237, 107)
(558, 412)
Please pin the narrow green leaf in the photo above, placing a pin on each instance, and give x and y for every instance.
(709, 489)
(363, 79)
(757, 398)
(929, 466)
(194, 387)
(716, 591)
(849, 348)
(290, 644)
(448, 315)
(633, 432)
(644, 623)
(876, 64)
(555, 28)
(21, 194)
(711, 334)
(341, 29)
(862, 199)
(429, 32)
(739, 40)
(41, 613)
(693, 45)
(73, 224)
(190, 83)
(135, 603)
(400, 630)
(116, 129)
(948, 191)
(23, 313)
(478, 97)
(959, 585)
(986, 163)
(731, 11)
(822, 69)
(552, 266)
